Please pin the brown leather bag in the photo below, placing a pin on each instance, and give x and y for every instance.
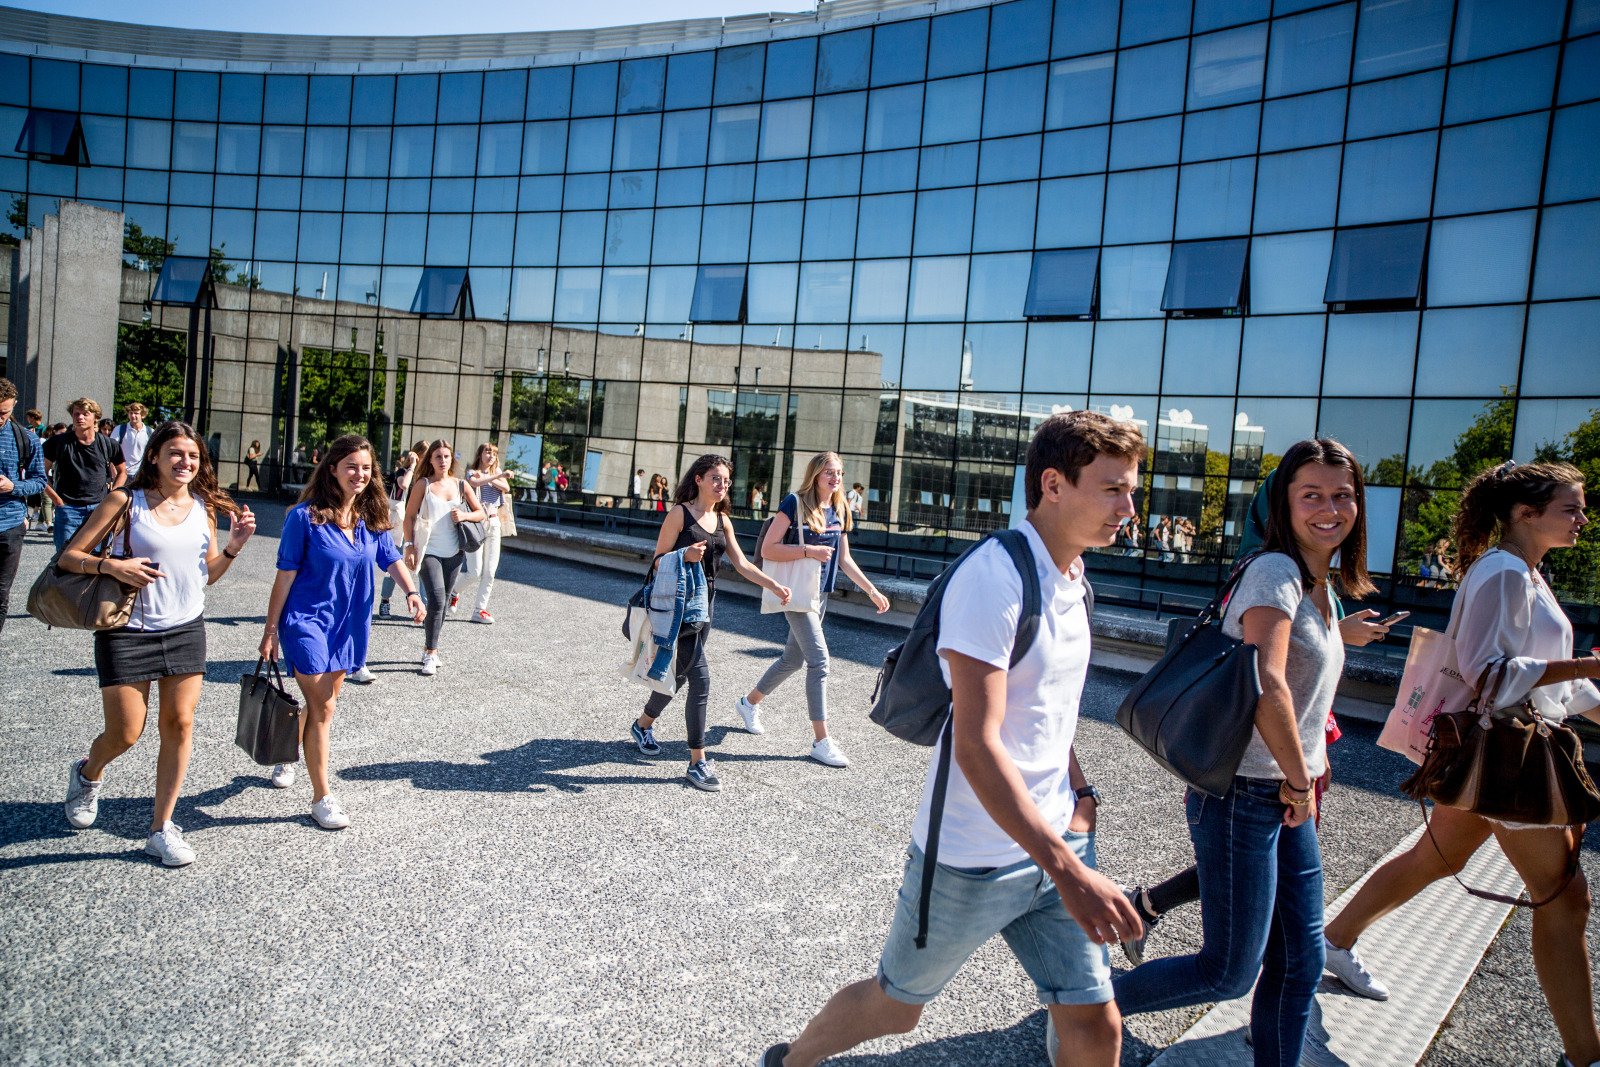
(75, 601)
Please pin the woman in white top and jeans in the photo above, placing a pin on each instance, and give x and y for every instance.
(494, 489)
(1504, 611)
(437, 502)
(173, 545)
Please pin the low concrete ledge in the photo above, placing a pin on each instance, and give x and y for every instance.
(1124, 639)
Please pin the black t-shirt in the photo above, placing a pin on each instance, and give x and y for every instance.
(83, 472)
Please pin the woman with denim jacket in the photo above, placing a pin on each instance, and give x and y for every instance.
(701, 526)
(1256, 846)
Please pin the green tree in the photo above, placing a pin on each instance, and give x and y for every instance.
(338, 395)
(16, 221)
(151, 249)
(150, 365)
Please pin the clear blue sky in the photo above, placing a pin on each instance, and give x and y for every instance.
(402, 17)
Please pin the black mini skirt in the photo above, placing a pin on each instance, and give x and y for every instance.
(122, 657)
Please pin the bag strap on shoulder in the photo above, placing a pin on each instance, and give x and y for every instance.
(1016, 545)
(24, 449)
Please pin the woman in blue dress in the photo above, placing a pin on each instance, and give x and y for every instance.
(320, 611)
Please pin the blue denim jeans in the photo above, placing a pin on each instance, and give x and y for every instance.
(68, 518)
(1260, 913)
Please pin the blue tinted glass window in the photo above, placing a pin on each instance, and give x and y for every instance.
(1227, 67)
(731, 183)
(325, 150)
(641, 85)
(363, 238)
(193, 189)
(54, 136)
(725, 233)
(319, 237)
(55, 85)
(1069, 211)
(1202, 358)
(594, 89)
(880, 290)
(327, 194)
(549, 92)
(1012, 159)
(899, 52)
(493, 194)
(1083, 26)
(734, 133)
(589, 145)
(1580, 72)
(195, 96)
(504, 95)
(1215, 14)
(409, 194)
(150, 94)
(275, 235)
(1555, 332)
(997, 287)
(938, 289)
(1063, 284)
(412, 153)
(791, 68)
(239, 149)
(1297, 190)
(1127, 355)
(685, 136)
(234, 233)
(582, 236)
(719, 295)
(455, 151)
(1206, 276)
(830, 228)
(957, 43)
(189, 228)
(887, 172)
(686, 186)
(1310, 51)
(500, 148)
(1019, 33)
(944, 222)
(1214, 199)
(108, 139)
(329, 101)
(578, 295)
(405, 238)
(537, 235)
(835, 176)
(371, 100)
(1282, 354)
(1132, 280)
(1289, 272)
(838, 123)
(677, 236)
(1150, 81)
(1501, 86)
(182, 280)
(1391, 178)
(1397, 36)
(1014, 102)
(583, 191)
(842, 60)
(1302, 121)
(460, 96)
(1003, 218)
(282, 149)
(781, 180)
(785, 129)
(689, 79)
(1517, 148)
(622, 294)
(1217, 134)
(1490, 27)
(1572, 173)
(769, 293)
(150, 144)
(1074, 151)
(1396, 106)
(1370, 354)
(948, 165)
(1569, 252)
(885, 225)
(448, 236)
(776, 231)
(632, 188)
(544, 148)
(638, 142)
(1377, 263)
(1079, 91)
(628, 237)
(1480, 260)
(1154, 20)
(1139, 205)
(1149, 143)
(738, 75)
(287, 95)
(893, 117)
(416, 98)
(106, 88)
(825, 292)
(953, 110)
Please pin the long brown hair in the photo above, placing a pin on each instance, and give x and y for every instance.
(1486, 505)
(477, 457)
(1353, 577)
(811, 505)
(688, 490)
(203, 486)
(324, 497)
(427, 460)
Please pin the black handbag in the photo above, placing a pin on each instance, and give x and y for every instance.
(1195, 710)
(473, 532)
(269, 718)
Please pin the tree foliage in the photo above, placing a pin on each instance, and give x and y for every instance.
(150, 365)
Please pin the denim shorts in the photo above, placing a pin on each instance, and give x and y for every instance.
(969, 906)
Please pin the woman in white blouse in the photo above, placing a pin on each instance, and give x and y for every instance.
(1505, 611)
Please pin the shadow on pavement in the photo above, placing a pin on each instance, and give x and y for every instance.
(1021, 1043)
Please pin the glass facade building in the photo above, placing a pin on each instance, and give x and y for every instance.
(906, 235)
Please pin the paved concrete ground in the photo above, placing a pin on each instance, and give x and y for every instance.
(519, 885)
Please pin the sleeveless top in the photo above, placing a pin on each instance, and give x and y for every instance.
(716, 545)
(180, 551)
(443, 540)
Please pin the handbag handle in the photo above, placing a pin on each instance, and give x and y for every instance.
(277, 676)
(1209, 613)
(1522, 900)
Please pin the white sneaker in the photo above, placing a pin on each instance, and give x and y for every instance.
(168, 844)
(1345, 964)
(361, 676)
(83, 797)
(283, 776)
(751, 716)
(430, 663)
(826, 752)
(329, 813)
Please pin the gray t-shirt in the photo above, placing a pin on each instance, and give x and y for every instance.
(1316, 658)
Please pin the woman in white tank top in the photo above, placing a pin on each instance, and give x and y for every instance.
(438, 500)
(170, 555)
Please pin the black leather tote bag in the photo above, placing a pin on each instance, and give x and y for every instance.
(269, 718)
(1194, 711)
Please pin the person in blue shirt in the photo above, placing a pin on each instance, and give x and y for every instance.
(320, 610)
(21, 476)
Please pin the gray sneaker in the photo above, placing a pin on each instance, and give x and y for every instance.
(1052, 1043)
(83, 797)
(703, 775)
(1133, 948)
(1345, 964)
(167, 845)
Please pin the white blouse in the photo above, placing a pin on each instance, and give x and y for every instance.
(1504, 611)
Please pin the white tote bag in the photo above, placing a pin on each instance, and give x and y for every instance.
(803, 577)
(1430, 686)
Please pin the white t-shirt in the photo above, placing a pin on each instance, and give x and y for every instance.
(133, 443)
(978, 618)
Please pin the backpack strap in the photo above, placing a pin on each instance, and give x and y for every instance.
(1016, 545)
(930, 855)
(24, 449)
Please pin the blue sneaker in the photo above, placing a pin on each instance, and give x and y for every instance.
(703, 775)
(645, 739)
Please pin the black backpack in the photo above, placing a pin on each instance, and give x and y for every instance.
(912, 702)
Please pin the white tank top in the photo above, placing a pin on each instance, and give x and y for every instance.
(443, 540)
(180, 552)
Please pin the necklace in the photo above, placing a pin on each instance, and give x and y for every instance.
(1516, 550)
(170, 503)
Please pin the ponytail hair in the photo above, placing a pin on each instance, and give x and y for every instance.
(1486, 504)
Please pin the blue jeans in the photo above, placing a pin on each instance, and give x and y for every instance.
(1260, 913)
(68, 518)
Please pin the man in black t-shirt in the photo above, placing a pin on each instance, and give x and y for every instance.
(85, 464)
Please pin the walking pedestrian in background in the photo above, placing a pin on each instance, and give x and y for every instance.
(21, 476)
(817, 508)
(132, 437)
(438, 500)
(494, 492)
(400, 481)
(84, 466)
(173, 556)
(320, 610)
(252, 465)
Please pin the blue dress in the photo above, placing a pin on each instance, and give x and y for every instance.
(328, 615)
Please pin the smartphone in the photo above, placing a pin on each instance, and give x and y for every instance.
(1392, 619)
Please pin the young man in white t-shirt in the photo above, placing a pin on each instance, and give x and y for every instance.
(1016, 842)
(133, 436)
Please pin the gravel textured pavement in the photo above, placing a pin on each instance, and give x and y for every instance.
(520, 885)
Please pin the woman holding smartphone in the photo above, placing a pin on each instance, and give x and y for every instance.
(438, 501)
(817, 508)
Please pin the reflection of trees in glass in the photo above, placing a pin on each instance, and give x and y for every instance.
(340, 392)
(150, 364)
(527, 403)
(1577, 570)
(149, 249)
(16, 222)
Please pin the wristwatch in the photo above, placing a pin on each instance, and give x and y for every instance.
(1089, 792)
